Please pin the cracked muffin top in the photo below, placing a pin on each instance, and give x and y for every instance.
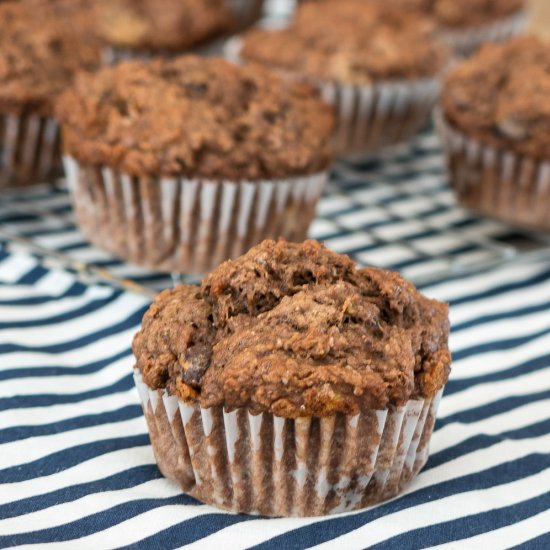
(42, 45)
(196, 117)
(162, 24)
(350, 41)
(501, 96)
(295, 330)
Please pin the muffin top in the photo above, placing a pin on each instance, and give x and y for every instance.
(196, 117)
(350, 41)
(501, 96)
(295, 330)
(162, 24)
(41, 47)
(456, 14)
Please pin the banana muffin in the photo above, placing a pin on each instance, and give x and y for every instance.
(466, 24)
(378, 65)
(495, 125)
(467, 13)
(39, 56)
(179, 164)
(141, 28)
(291, 382)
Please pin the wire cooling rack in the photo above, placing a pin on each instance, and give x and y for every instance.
(394, 211)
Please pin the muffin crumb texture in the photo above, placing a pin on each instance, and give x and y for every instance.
(501, 96)
(197, 118)
(295, 330)
(350, 41)
(162, 24)
(42, 45)
(457, 14)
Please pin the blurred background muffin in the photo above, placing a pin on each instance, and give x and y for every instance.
(179, 164)
(539, 19)
(138, 28)
(466, 24)
(41, 48)
(378, 65)
(495, 125)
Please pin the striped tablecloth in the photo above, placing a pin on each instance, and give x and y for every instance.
(76, 467)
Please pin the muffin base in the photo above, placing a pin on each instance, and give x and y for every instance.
(502, 184)
(371, 118)
(467, 41)
(29, 150)
(187, 225)
(111, 55)
(274, 466)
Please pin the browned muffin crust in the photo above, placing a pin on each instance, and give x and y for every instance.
(295, 330)
(456, 14)
(42, 45)
(501, 96)
(196, 117)
(350, 41)
(162, 24)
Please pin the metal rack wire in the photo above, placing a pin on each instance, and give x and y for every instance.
(394, 211)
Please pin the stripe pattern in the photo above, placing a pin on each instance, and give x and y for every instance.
(76, 467)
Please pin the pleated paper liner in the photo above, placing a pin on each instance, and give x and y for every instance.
(464, 42)
(187, 225)
(373, 116)
(111, 55)
(29, 150)
(245, 13)
(274, 466)
(502, 184)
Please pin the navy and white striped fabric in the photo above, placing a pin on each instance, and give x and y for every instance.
(76, 467)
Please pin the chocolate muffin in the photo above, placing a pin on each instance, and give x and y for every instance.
(144, 28)
(291, 382)
(378, 65)
(39, 55)
(495, 126)
(179, 164)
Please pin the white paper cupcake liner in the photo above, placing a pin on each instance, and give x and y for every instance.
(370, 117)
(111, 55)
(464, 42)
(187, 225)
(502, 184)
(29, 149)
(274, 466)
